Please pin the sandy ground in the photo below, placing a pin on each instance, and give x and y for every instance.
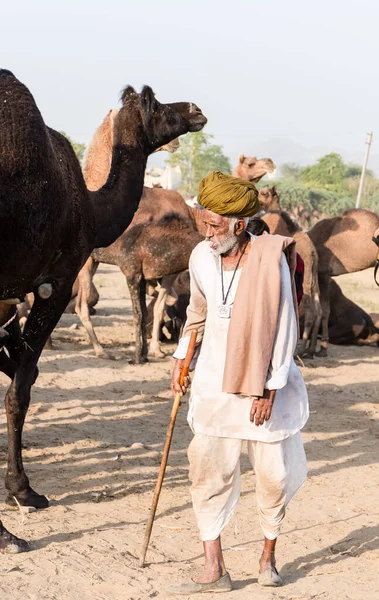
(93, 439)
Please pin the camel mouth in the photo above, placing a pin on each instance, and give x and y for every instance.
(198, 122)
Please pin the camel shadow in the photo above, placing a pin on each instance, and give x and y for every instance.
(355, 544)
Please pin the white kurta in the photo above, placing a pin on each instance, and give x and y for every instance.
(215, 413)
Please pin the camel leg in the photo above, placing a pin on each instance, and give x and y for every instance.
(158, 316)
(324, 283)
(14, 345)
(308, 321)
(10, 544)
(43, 317)
(316, 326)
(137, 289)
(144, 348)
(83, 311)
(7, 365)
(312, 319)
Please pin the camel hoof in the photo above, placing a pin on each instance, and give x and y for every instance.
(308, 355)
(322, 353)
(28, 498)
(10, 544)
(138, 360)
(105, 355)
(157, 354)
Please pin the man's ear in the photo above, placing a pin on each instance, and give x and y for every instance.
(240, 227)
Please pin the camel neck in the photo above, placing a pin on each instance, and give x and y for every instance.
(116, 202)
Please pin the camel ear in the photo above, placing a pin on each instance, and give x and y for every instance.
(241, 158)
(127, 93)
(273, 190)
(148, 101)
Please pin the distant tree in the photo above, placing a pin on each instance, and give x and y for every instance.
(355, 170)
(197, 157)
(328, 171)
(291, 171)
(79, 148)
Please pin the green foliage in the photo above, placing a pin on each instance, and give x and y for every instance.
(355, 170)
(329, 186)
(291, 171)
(79, 148)
(294, 194)
(329, 172)
(197, 157)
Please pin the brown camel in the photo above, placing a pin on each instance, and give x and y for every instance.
(268, 198)
(149, 252)
(252, 168)
(281, 223)
(154, 205)
(344, 245)
(57, 222)
(302, 216)
(348, 322)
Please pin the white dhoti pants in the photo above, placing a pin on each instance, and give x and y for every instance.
(280, 469)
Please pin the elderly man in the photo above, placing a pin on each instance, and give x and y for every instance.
(246, 385)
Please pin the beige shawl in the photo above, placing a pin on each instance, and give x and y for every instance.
(255, 314)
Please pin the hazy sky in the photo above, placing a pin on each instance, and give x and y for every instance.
(302, 71)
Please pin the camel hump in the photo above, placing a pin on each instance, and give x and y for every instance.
(6, 73)
(172, 218)
(22, 128)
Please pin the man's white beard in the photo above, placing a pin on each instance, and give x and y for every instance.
(226, 245)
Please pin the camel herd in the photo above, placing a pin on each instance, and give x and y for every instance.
(148, 254)
(67, 220)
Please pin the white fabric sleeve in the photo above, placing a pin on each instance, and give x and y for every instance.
(182, 348)
(196, 314)
(286, 334)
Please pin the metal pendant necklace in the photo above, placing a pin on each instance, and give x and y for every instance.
(224, 311)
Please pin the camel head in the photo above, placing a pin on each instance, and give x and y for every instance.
(252, 168)
(146, 123)
(269, 198)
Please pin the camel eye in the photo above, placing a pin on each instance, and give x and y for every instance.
(250, 165)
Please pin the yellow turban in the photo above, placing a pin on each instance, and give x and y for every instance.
(228, 196)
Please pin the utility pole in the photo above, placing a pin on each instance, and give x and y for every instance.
(360, 190)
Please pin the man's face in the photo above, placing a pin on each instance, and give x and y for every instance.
(220, 232)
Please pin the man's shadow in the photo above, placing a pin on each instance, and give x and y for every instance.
(356, 543)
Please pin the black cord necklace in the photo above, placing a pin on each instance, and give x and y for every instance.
(224, 298)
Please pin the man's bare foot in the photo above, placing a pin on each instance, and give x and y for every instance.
(214, 563)
(267, 560)
(209, 574)
(10, 544)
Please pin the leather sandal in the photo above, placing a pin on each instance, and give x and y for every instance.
(224, 584)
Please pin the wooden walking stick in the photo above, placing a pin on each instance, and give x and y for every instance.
(166, 450)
